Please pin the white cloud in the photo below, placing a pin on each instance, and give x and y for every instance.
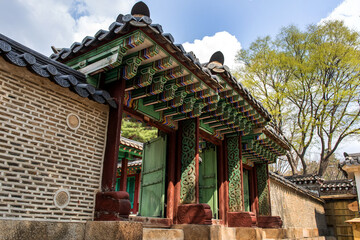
(221, 41)
(349, 12)
(39, 24)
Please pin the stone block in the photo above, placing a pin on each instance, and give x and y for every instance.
(114, 230)
(228, 233)
(273, 233)
(65, 230)
(20, 230)
(293, 233)
(194, 231)
(162, 234)
(248, 233)
(151, 221)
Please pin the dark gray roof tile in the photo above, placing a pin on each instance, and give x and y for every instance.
(43, 66)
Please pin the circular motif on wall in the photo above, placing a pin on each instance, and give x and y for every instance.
(61, 198)
(73, 121)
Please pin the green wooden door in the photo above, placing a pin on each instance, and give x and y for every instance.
(152, 191)
(246, 190)
(208, 179)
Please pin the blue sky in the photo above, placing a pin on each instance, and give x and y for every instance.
(246, 19)
(202, 26)
(42, 23)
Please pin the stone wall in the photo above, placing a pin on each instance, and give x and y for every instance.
(296, 207)
(40, 155)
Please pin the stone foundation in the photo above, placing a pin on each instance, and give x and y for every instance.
(217, 232)
(91, 230)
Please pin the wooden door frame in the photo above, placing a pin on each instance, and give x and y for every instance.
(252, 188)
(221, 173)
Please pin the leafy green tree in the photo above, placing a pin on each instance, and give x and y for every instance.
(309, 81)
(138, 131)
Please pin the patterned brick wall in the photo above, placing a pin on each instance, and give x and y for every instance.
(40, 154)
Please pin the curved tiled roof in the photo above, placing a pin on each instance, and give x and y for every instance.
(338, 185)
(59, 73)
(305, 179)
(292, 185)
(126, 23)
(131, 143)
(350, 160)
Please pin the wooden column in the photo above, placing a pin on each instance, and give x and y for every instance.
(221, 182)
(136, 194)
(177, 187)
(189, 165)
(263, 189)
(226, 175)
(234, 171)
(117, 91)
(197, 135)
(256, 199)
(171, 165)
(111, 205)
(189, 209)
(241, 174)
(268, 185)
(123, 177)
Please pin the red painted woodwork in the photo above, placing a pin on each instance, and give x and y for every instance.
(171, 164)
(149, 121)
(177, 175)
(194, 214)
(117, 91)
(226, 195)
(136, 194)
(268, 185)
(252, 184)
(209, 138)
(112, 206)
(197, 126)
(256, 199)
(269, 222)
(221, 182)
(241, 219)
(241, 174)
(124, 175)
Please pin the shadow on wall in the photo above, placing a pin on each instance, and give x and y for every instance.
(321, 224)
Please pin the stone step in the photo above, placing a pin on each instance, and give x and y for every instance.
(162, 234)
(309, 238)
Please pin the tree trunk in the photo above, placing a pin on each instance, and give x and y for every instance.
(323, 166)
(292, 163)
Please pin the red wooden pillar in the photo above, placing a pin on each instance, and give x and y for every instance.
(136, 194)
(117, 91)
(197, 135)
(241, 174)
(111, 205)
(190, 211)
(256, 200)
(268, 185)
(171, 165)
(123, 177)
(177, 173)
(226, 183)
(221, 182)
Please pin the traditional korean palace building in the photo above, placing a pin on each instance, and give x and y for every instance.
(60, 125)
